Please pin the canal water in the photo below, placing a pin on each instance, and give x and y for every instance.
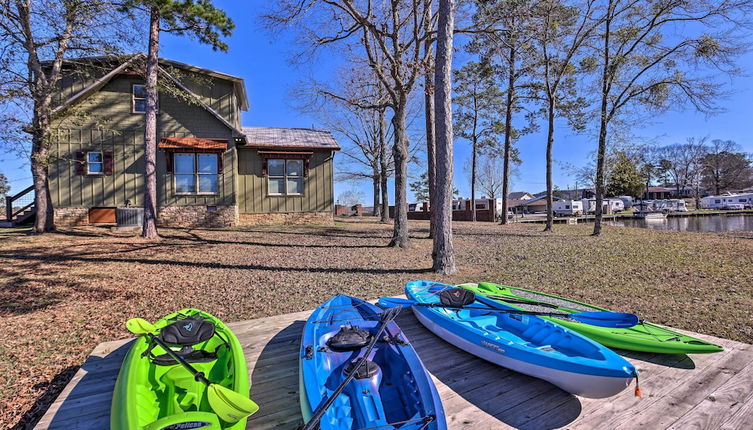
(713, 223)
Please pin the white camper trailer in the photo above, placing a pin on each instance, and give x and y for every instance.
(729, 201)
(568, 207)
(610, 205)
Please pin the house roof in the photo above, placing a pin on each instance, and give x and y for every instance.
(296, 138)
(192, 143)
(537, 200)
(518, 195)
(239, 84)
(660, 189)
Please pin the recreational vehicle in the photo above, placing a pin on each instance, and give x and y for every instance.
(610, 205)
(568, 207)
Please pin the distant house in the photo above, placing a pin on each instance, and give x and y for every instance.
(211, 171)
(532, 206)
(519, 195)
(664, 193)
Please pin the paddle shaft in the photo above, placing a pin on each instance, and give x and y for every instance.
(199, 376)
(491, 308)
(522, 302)
(317, 415)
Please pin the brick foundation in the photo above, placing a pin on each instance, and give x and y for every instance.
(197, 216)
(69, 217)
(286, 218)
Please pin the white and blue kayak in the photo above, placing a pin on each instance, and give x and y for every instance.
(523, 343)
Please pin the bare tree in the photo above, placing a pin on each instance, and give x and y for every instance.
(491, 179)
(684, 162)
(443, 253)
(726, 167)
(391, 36)
(657, 54)
(36, 38)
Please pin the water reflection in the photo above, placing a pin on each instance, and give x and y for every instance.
(714, 223)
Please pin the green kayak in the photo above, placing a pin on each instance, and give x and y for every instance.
(644, 337)
(154, 392)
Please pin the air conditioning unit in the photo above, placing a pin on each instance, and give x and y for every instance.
(127, 217)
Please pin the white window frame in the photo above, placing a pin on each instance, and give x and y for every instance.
(285, 177)
(133, 100)
(196, 174)
(101, 162)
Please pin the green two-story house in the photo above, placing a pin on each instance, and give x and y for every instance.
(212, 172)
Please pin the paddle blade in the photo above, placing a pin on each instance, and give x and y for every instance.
(230, 406)
(140, 326)
(606, 319)
(389, 302)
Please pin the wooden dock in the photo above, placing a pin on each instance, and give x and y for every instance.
(679, 391)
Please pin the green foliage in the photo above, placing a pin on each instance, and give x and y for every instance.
(4, 188)
(199, 19)
(624, 177)
(478, 105)
(420, 188)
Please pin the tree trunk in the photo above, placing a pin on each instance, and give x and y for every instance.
(508, 131)
(473, 180)
(44, 220)
(400, 236)
(375, 185)
(383, 167)
(549, 184)
(603, 123)
(149, 230)
(444, 257)
(430, 138)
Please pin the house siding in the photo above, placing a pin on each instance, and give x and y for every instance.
(111, 107)
(253, 197)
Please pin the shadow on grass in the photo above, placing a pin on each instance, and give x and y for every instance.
(98, 384)
(26, 256)
(274, 380)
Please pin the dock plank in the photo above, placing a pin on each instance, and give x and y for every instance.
(476, 394)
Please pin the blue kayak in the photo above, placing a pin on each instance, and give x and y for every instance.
(523, 343)
(392, 390)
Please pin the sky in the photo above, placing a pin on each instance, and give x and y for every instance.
(263, 60)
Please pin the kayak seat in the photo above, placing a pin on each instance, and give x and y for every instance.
(349, 338)
(187, 353)
(187, 332)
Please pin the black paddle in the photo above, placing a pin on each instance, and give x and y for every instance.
(316, 416)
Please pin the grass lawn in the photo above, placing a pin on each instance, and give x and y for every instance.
(61, 294)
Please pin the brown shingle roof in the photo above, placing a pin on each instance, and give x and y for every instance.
(192, 143)
(297, 138)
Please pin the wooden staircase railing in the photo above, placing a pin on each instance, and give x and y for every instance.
(20, 207)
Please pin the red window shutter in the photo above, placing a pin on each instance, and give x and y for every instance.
(108, 162)
(220, 162)
(168, 162)
(80, 163)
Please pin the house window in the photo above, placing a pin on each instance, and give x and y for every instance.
(95, 164)
(138, 99)
(196, 173)
(285, 177)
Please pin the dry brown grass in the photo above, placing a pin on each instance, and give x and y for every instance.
(62, 294)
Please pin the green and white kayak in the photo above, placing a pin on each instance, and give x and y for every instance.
(644, 337)
(154, 392)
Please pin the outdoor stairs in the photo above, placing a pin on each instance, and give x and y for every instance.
(19, 209)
